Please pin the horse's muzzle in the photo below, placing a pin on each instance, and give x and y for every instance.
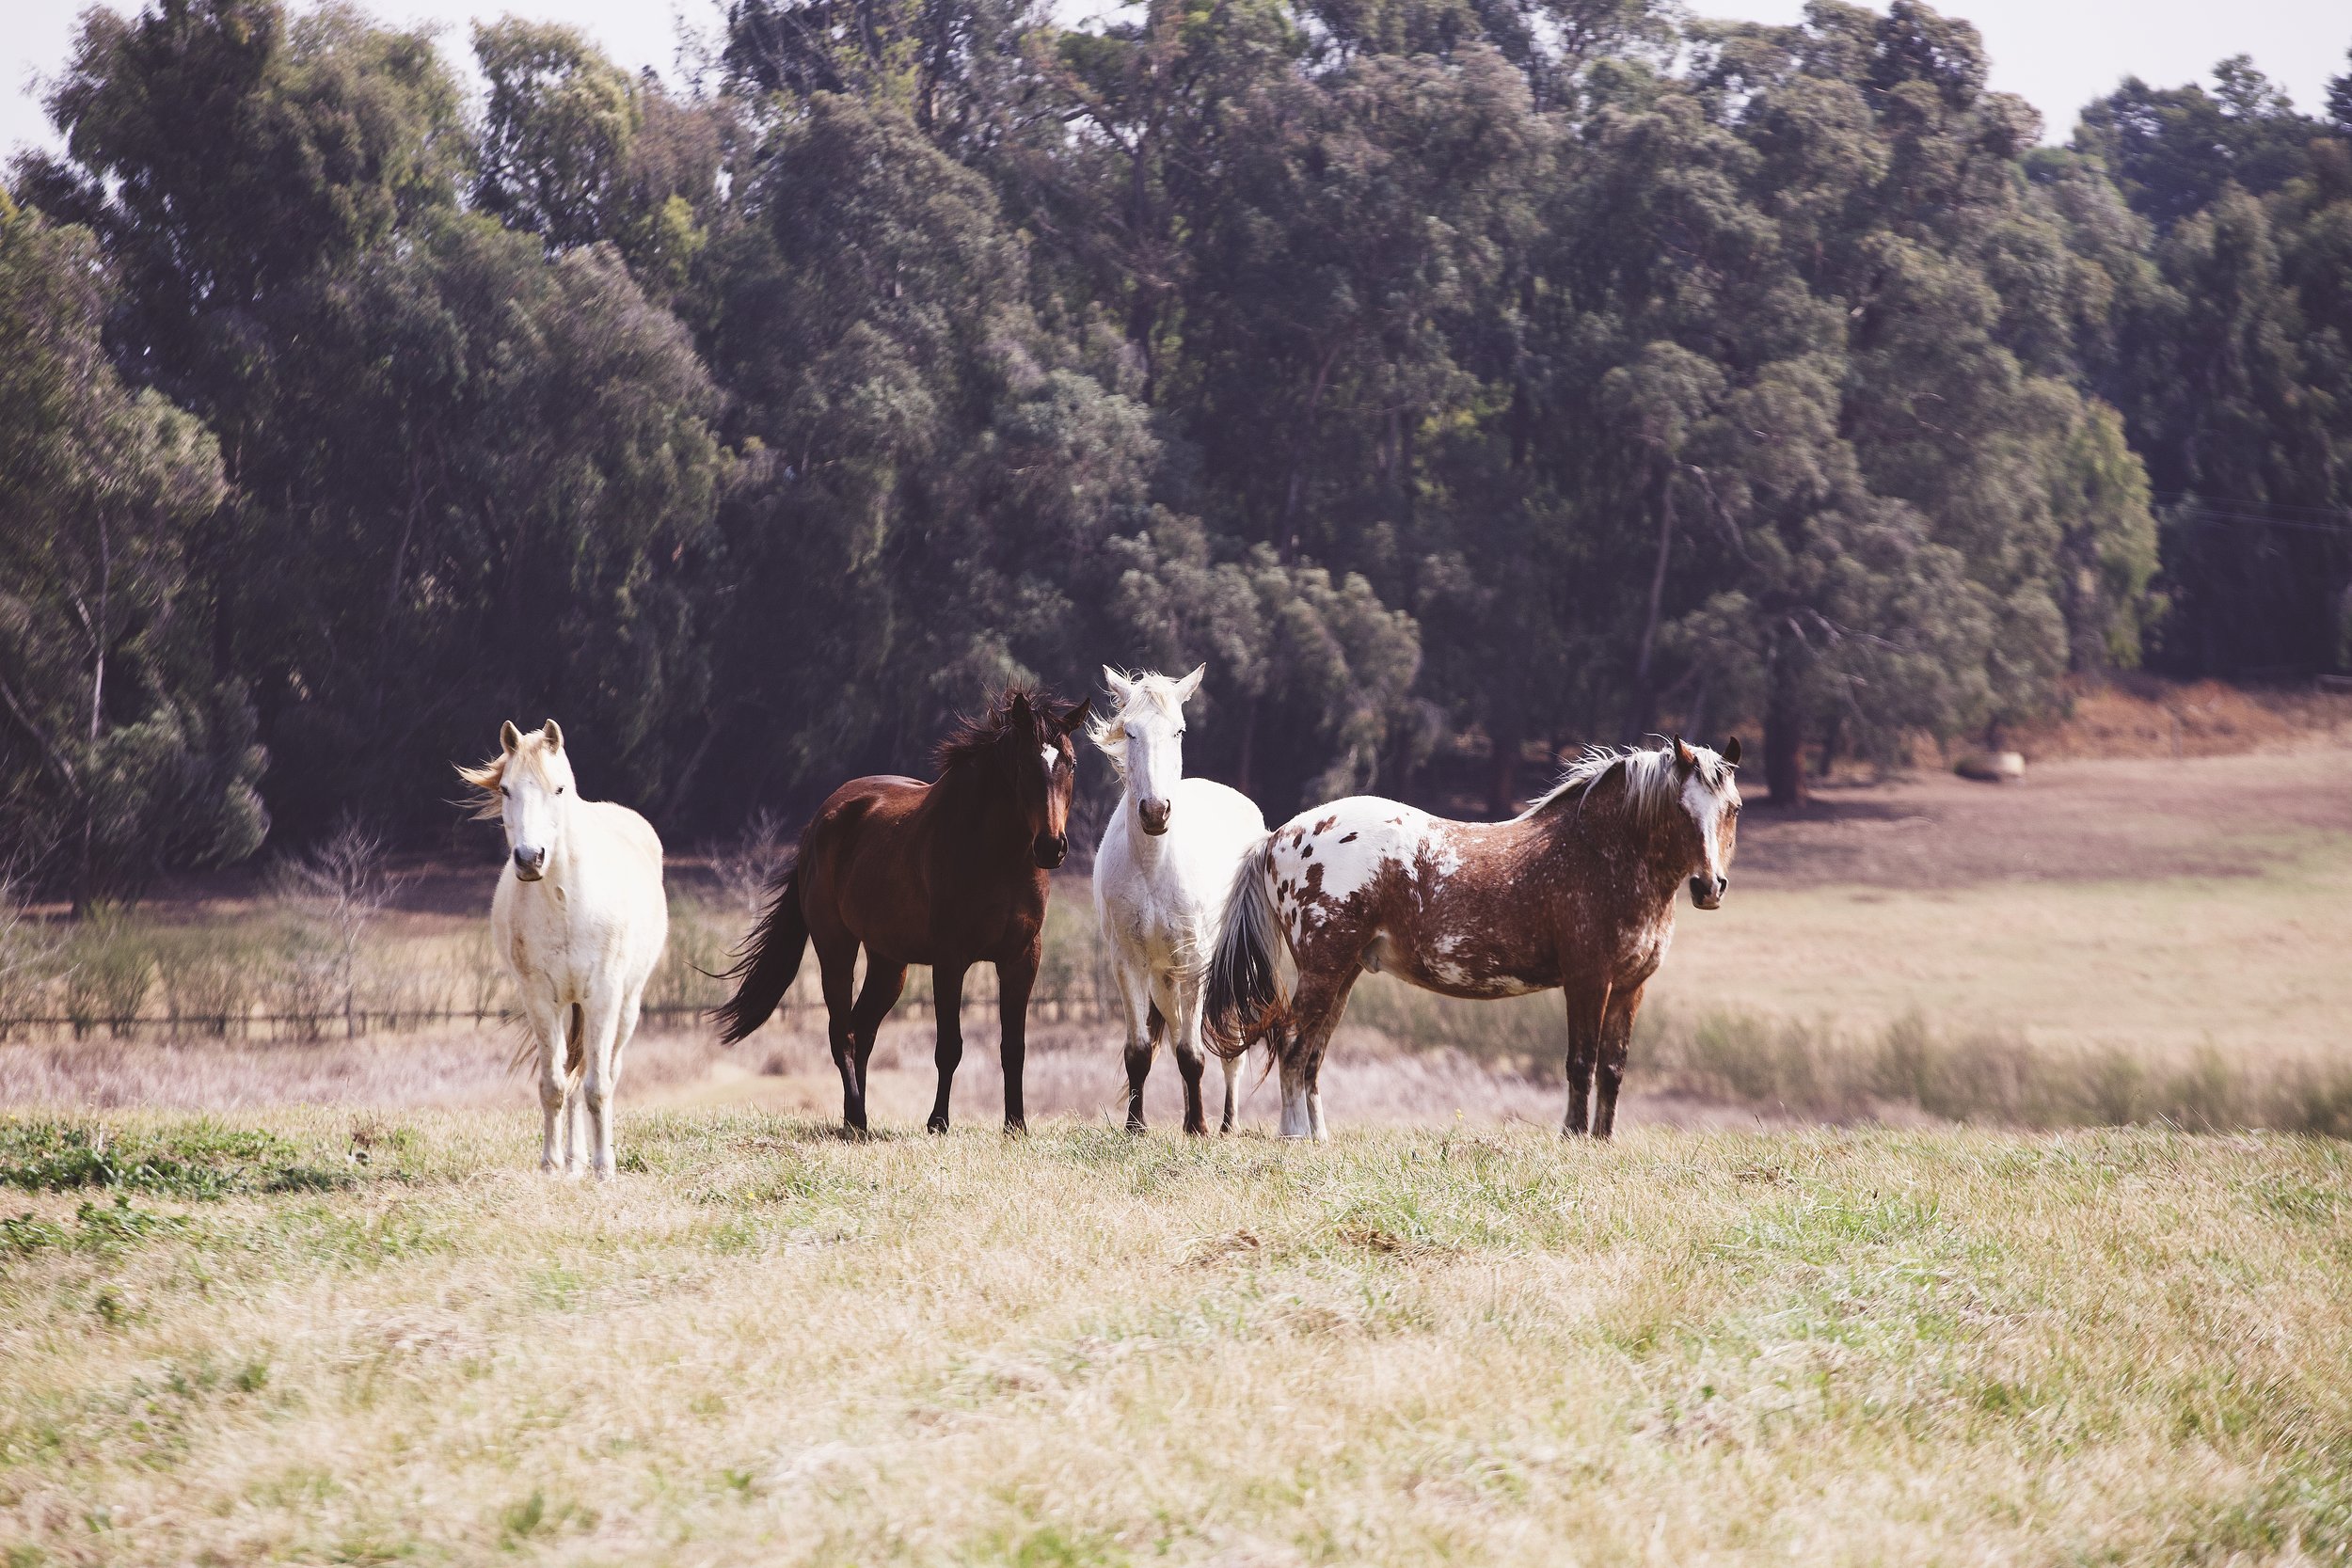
(1052, 849)
(1707, 895)
(529, 864)
(1154, 814)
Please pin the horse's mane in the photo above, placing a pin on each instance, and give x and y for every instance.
(1108, 732)
(1650, 786)
(972, 737)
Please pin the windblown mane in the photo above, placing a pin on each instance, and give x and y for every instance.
(1108, 732)
(1650, 786)
(972, 737)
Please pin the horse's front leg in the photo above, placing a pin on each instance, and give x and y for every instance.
(1585, 1010)
(546, 1020)
(1185, 1037)
(1135, 1005)
(1616, 1038)
(1014, 978)
(603, 1009)
(947, 990)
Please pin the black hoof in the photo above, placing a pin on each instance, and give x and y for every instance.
(937, 1124)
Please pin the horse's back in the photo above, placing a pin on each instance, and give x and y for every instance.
(1227, 812)
(629, 866)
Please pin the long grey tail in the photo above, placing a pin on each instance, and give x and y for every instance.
(1246, 997)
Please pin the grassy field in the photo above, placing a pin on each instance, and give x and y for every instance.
(333, 1337)
(328, 1312)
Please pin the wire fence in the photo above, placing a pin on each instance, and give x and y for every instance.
(273, 977)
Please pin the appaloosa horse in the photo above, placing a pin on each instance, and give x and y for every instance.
(1576, 893)
(948, 874)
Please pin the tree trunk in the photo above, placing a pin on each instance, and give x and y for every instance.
(1645, 709)
(1502, 791)
(1783, 747)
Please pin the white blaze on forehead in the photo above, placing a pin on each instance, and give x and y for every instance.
(1051, 753)
(1707, 803)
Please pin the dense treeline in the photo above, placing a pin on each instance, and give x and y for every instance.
(1526, 369)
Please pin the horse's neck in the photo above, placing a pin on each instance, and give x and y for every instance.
(980, 820)
(1613, 837)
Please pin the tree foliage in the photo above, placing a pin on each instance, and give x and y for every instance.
(1453, 375)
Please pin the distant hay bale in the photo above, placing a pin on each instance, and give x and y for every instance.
(1993, 766)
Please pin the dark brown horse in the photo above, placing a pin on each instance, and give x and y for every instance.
(1577, 893)
(948, 874)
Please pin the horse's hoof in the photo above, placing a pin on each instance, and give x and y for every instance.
(1016, 1128)
(937, 1124)
(1137, 1129)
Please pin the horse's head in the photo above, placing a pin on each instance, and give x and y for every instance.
(528, 787)
(1035, 749)
(1145, 740)
(1710, 797)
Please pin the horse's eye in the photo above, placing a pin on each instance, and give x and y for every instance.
(559, 789)
(508, 792)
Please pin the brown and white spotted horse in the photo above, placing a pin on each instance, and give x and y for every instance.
(1576, 893)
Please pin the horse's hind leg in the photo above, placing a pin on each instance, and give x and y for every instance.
(883, 982)
(947, 1055)
(1321, 1000)
(1232, 1066)
(837, 967)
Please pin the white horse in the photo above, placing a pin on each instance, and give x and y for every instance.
(1161, 876)
(579, 918)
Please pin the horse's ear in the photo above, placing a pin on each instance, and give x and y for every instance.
(1731, 752)
(510, 739)
(1076, 716)
(1119, 685)
(1685, 758)
(554, 734)
(1018, 709)
(1189, 688)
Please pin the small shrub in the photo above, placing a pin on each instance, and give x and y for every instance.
(108, 968)
(209, 976)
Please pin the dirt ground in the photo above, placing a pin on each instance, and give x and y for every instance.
(2070, 820)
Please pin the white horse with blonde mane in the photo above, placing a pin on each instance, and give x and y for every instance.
(579, 918)
(1161, 876)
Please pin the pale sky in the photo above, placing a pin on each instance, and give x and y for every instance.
(2058, 55)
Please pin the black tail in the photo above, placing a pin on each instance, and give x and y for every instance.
(765, 964)
(1247, 996)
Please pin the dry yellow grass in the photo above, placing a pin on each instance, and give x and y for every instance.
(766, 1345)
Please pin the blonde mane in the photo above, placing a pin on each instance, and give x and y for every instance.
(1108, 732)
(1651, 789)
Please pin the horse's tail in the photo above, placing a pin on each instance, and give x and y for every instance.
(765, 964)
(1246, 998)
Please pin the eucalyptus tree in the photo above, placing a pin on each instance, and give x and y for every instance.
(127, 754)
